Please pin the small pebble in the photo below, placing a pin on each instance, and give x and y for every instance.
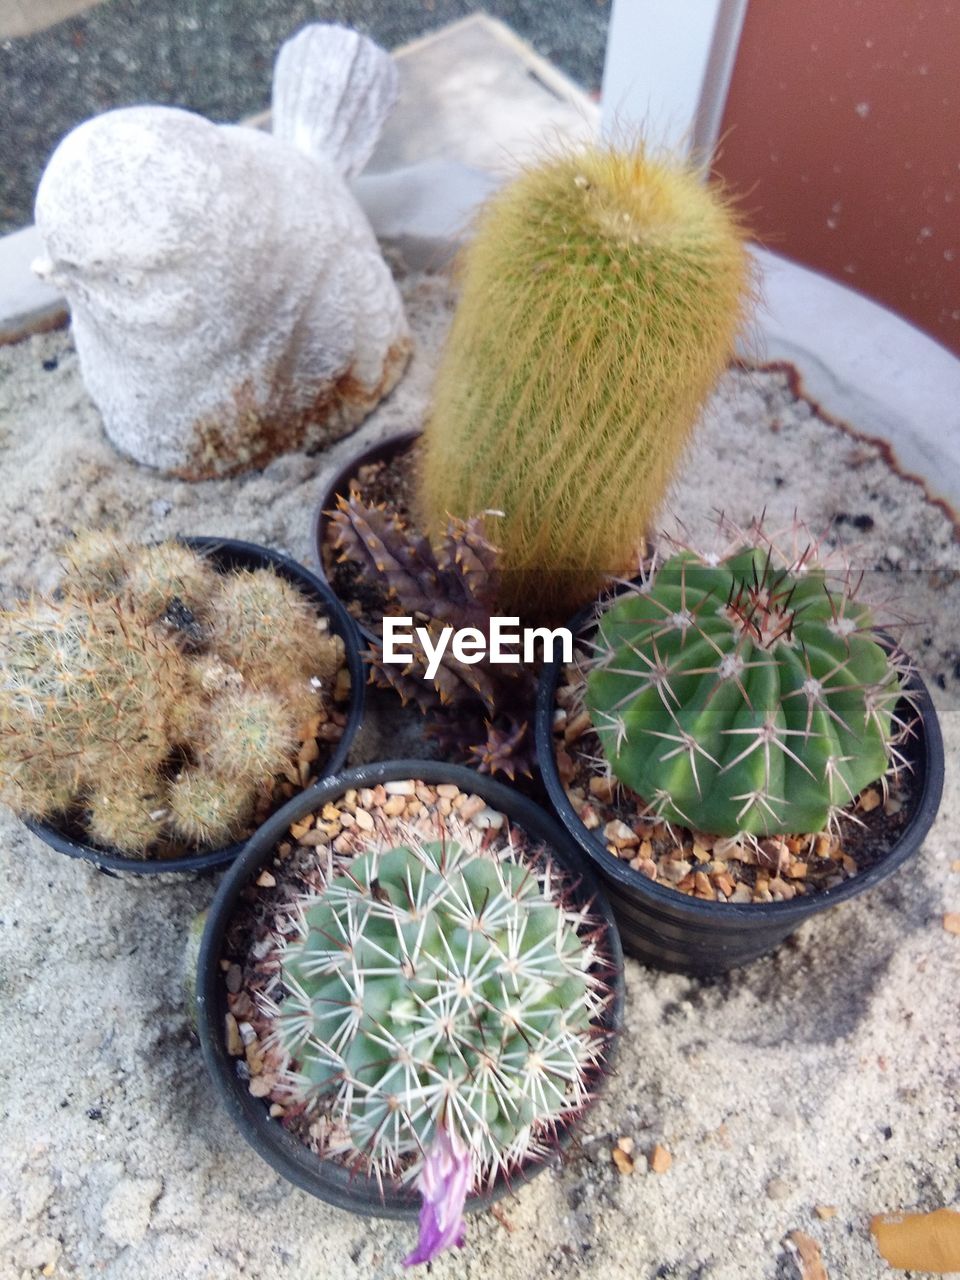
(488, 819)
(234, 1041)
(869, 799)
(702, 886)
(660, 1159)
(778, 1189)
(577, 727)
(589, 817)
(602, 789)
(675, 869)
(620, 835)
(471, 807)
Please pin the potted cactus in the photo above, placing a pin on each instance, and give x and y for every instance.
(169, 697)
(600, 298)
(409, 983)
(737, 747)
(601, 294)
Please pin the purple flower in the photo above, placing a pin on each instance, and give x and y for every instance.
(444, 1182)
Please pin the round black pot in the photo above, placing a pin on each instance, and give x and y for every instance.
(325, 1178)
(670, 930)
(383, 451)
(227, 554)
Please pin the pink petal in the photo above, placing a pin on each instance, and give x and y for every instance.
(443, 1183)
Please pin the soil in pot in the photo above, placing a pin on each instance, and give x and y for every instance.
(384, 815)
(721, 869)
(390, 481)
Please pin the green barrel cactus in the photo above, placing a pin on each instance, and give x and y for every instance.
(433, 989)
(743, 695)
(601, 295)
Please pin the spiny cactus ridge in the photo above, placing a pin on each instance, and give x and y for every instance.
(436, 986)
(600, 298)
(144, 703)
(745, 694)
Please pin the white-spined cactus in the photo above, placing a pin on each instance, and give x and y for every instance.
(439, 992)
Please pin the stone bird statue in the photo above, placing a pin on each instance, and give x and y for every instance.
(228, 296)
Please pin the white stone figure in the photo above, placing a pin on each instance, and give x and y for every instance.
(228, 296)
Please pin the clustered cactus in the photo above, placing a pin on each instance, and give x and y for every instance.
(154, 701)
(440, 988)
(478, 711)
(745, 694)
(600, 298)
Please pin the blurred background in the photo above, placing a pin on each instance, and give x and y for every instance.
(836, 123)
(64, 60)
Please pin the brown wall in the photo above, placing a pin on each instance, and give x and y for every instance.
(842, 135)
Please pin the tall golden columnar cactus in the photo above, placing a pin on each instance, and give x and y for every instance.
(601, 297)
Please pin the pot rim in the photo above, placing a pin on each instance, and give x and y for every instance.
(327, 1179)
(929, 748)
(339, 482)
(341, 623)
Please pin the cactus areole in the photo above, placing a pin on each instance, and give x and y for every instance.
(744, 695)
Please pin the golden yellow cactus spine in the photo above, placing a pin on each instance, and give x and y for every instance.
(601, 297)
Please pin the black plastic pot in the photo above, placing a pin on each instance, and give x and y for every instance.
(325, 1178)
(227, 554)
(670, 930)
(383, 451)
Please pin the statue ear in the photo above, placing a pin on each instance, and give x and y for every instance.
(332, 91)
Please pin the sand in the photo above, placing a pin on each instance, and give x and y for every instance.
(827, 1074)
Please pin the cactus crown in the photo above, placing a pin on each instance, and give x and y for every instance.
(438, 983)
(746, 693)
(600, 298)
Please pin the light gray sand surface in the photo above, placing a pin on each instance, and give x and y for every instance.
(828, 1074)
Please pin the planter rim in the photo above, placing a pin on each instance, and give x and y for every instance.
(338, 483)
(285, 1152)
(341, 623)
(735, 914)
